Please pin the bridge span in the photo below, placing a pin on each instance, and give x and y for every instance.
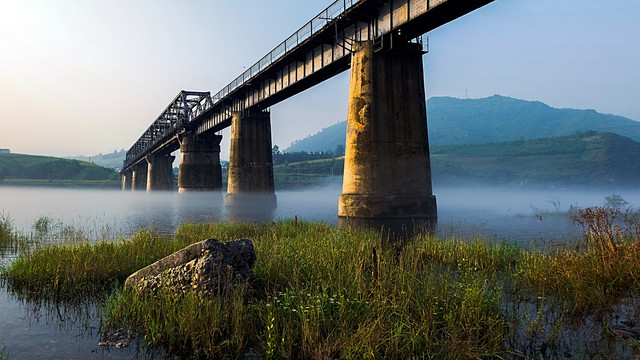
(387, 167)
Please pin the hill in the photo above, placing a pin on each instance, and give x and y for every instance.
(19, 166)
(588, 158)
(490, 120)
(112, 160)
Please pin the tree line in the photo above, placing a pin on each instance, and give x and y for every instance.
(280, 157)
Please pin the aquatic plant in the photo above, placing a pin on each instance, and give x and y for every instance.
(10, 240)
(592, 272)
(323, 292)
(82, 267)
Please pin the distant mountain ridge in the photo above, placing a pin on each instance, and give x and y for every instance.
(490, 120)
(112, 160)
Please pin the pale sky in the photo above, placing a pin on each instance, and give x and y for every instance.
(81, 77)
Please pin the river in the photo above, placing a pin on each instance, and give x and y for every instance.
(32, 331)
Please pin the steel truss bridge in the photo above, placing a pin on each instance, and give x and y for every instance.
(316, 52)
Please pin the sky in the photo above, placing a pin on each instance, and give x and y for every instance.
(82, 77)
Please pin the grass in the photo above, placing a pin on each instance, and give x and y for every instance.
(20, 166)
(10, 240)
(62, 183)
(321, 292)
(79, 266)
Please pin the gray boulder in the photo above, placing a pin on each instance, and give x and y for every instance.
(208, 266)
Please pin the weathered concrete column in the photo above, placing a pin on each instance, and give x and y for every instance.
(126, 179)
(200, 168)
(250, 160)
(139, 177)
(160, 172)
(387, 172)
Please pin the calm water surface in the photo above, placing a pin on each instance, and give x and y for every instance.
(31, 331)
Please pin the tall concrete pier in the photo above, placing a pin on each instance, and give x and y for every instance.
(160, 172)
(126, 176)
(139, 176)
(200, 168)
(251, 160)
(387, 172)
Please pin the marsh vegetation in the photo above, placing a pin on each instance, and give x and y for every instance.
(323, 292)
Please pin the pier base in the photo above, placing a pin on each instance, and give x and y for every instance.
(139, 176)
(200, 168)
(250, 160)
(387, 171)
(160, 172)
(126, 180)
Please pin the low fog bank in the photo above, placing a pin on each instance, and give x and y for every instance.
(515, 200)
(499, 212)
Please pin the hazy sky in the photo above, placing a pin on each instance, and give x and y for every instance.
(80, 77)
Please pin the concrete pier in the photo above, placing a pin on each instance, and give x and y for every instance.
(387, 171)
(139, 176)
(160, 172)
(200, 168)
(250, 160)
(126, 180)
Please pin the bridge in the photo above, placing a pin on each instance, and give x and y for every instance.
(387, 168)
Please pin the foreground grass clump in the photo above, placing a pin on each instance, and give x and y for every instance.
(10, 241)
(593, 272)
(83, 267)
(321, 292)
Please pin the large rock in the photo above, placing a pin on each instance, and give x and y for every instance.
(207, 266)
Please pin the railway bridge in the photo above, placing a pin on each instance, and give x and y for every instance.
(387, 171)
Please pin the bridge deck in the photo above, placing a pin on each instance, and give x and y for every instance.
(318, 51)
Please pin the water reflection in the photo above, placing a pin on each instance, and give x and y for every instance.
(251, 207)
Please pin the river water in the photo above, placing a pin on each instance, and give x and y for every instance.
(30, 331)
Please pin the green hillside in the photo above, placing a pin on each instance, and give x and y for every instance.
(31, 167)
(325, 140)
(589, 158)
(490, 120)
(112, 160)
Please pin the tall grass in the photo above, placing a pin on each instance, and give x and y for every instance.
(320, 292)
(10, 240)
(592, 272)
(82, 267)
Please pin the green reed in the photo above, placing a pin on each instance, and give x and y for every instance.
(323, 292)
(81, 266)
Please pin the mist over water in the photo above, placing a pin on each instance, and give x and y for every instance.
(510, 213)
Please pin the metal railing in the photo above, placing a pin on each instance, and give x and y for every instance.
(183, 111)
(184, 108)
(318, 23)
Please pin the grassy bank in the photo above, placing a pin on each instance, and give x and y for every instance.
(62, 183)
(21, 166)
(322, 292)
